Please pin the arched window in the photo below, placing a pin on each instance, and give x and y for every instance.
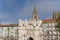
(30, 38)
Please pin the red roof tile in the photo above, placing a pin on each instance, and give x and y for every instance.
(8, 25)
(49, 20)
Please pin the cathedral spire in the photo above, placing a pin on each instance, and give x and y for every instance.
(35, 15)
(35, 6)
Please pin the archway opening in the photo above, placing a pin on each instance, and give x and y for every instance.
(30, 38)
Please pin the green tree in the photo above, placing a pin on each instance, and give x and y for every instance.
(58, 21)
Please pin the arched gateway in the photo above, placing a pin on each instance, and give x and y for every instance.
(30, 38)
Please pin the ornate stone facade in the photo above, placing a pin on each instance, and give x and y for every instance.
(34, 29)
(30, 29)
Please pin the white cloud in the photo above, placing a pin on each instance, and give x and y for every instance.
(6, 17)
(6, 22)
(44, 8)
(27, 11)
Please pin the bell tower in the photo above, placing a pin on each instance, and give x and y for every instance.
(35, 15)
(55, 15)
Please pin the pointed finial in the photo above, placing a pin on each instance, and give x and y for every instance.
(53, 15)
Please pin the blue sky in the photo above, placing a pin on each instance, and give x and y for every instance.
(13, 10)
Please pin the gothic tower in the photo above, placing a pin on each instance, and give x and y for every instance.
(55, 15)
(35, 15)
